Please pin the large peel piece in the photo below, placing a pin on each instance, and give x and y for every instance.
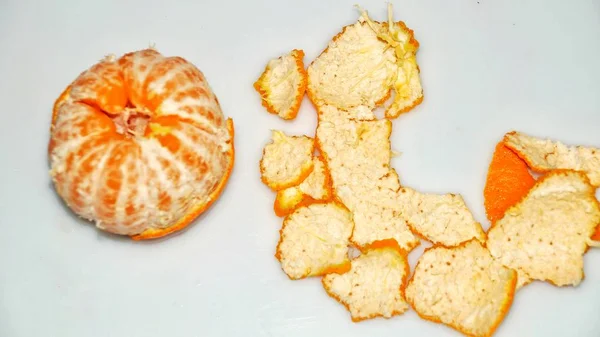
(545, 236)
(363, 64)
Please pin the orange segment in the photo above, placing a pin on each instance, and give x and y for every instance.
(136, 66)
(101, 86)
(166, 77)
(200, 208)
(508, 181)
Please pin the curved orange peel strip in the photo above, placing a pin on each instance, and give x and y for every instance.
(155, 233)
(508, 181)
(282, 84)
(544, 155)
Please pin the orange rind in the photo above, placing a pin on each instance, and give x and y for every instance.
(374, 285)
(282, 84)
(596, 236)
(462, 287)
(363, 64)
(286, 160)
(545, 235)
(314, 240)
(544, 155)
(443, 219)
(356, 69)
(508, 181)
(316, 187)
(358, 154)
(139, 144)
(408, 91)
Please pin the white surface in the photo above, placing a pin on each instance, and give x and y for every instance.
(487, 67)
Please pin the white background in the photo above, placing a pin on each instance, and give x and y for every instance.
(488, 67)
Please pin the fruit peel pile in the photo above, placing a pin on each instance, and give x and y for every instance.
(351, 197)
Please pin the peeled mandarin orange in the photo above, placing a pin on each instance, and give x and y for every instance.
(139, 145)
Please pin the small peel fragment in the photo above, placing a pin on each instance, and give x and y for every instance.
(544, 236)
(407, 82)
(286, 161)
(374, 285)
(462, 287)
(508, 181)
(316, 187)
(443, 219)
(314, 240)
(544, 155)
(282, 84)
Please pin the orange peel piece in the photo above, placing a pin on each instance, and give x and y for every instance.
(545, 235)
(286, 160)
(508, 181)
(356, 69)
(314, 240)
(407, 82)
(544, 155)
(374, 285)
(316, 187)
(443, 219)
(358, 154)
(462, 287)
(596, 235)
(282, 84)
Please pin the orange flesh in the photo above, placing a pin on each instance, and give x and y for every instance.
(113, 107)
(192, 215)
(508, 181)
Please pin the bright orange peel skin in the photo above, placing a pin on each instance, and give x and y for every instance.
(508, 181)
(596, 235)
